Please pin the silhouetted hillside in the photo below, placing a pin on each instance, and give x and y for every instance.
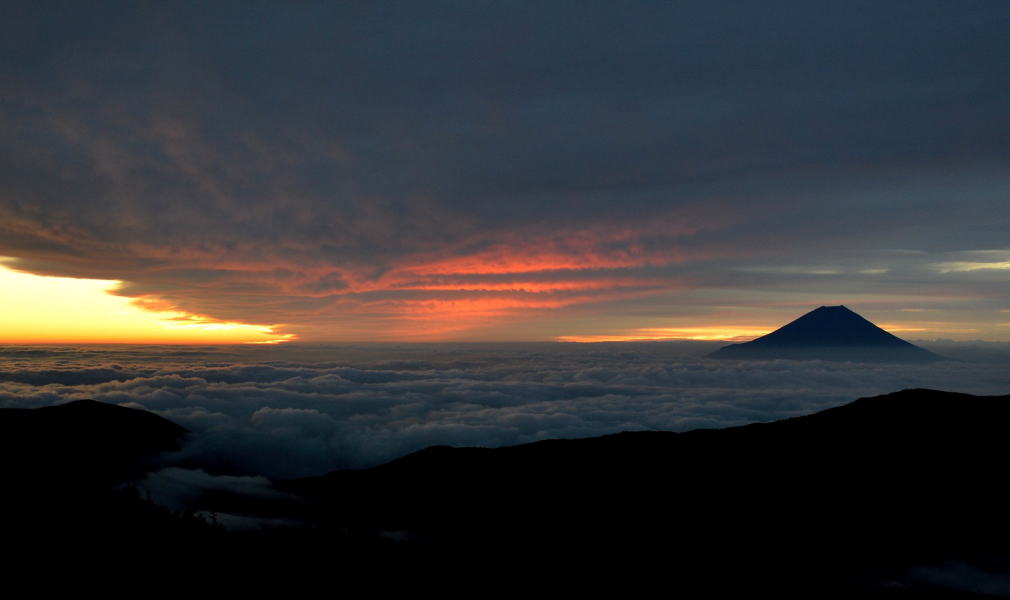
(60, 467)
(829, 333)
(860, 501)
(68, 516)
(844, 497)
(84, 439)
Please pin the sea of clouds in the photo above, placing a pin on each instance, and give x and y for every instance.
(301, 410)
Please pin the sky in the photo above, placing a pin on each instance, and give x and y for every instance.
(488, 171)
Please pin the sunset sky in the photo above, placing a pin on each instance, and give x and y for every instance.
(501, 171)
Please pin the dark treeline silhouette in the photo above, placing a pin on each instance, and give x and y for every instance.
(847, 502)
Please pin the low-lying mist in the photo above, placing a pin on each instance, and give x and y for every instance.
(308, 409)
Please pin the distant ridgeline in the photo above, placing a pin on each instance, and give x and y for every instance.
(863, 500)
(829, 333)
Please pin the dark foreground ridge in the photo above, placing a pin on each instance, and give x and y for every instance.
(87, 440)
(849, 498)
(829, 333)
(892, 496)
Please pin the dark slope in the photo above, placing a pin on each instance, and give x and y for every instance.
(67, 518)
(60, 466)
(85, 440)
(828, 505)
(845, 496)
(829, 333)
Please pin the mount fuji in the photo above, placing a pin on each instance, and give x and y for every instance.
(829, 333)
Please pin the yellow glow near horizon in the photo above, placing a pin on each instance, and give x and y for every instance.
(745, 333)
(727, 333)
(64, 310)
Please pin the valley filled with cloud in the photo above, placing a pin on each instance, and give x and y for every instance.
(306, 409)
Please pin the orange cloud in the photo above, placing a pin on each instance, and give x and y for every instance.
(466, 283)
(591, 248)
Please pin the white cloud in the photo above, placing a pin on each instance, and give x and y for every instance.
(977, 260)
(964, 266)
(337, 407)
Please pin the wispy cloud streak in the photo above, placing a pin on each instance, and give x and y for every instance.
(352, 170)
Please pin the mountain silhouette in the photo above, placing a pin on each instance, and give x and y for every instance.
(841, 503)
(85, 440)
(827, 502)
(829, 333)
(67, 511)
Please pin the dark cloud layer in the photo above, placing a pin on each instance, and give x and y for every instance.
(307, 409)
(403, 169)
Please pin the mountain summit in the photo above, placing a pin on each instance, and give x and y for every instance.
(829, 333)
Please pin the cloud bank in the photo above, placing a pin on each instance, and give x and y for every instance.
(308, 409)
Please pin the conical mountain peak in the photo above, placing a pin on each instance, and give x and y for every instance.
(828, 333)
